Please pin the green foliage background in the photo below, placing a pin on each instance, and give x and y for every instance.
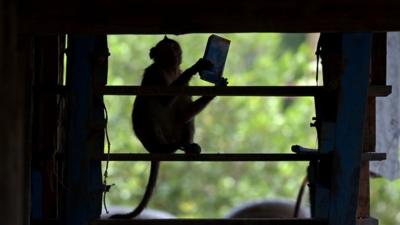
(229, 124)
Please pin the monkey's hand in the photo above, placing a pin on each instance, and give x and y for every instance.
(223, 82)
(202, 64)
(184, 78)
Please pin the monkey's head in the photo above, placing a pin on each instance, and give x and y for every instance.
(167, 52)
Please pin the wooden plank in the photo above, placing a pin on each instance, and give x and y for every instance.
(177, 16)
(378, 77)
(349, 128)
(373, 156)
(277, 91)
(363, 208)
(211, 222)
(12, 125)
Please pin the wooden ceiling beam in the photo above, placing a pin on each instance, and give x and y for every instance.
(206, 16)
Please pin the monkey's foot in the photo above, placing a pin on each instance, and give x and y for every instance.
(192, 148)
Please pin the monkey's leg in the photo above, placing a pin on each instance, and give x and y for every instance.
(162, 148)
(187, 139)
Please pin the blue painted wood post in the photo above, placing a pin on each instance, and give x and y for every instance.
(349, 128)
(83, 179)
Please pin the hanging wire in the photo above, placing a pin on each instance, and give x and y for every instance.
(59, 143)
(318, 54)
(300, 197)
(58, 149)
(106, 187)
(316, 74)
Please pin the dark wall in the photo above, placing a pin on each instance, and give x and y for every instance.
(12, 120)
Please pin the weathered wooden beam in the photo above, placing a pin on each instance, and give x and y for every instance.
(363, 208)
(377, 77)
(178, 16)
(373, 156)
(277, 91)
(211, 222)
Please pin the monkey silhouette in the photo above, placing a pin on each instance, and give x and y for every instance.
(165, 124)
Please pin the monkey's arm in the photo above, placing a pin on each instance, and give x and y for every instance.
(196, 107)
(185, 77)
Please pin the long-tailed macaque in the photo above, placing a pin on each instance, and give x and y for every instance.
(165, 124)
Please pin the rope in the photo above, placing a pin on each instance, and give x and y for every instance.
(106, 187)
(300, 197)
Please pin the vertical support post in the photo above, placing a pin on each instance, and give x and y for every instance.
(363, 207)
(12, 137)
(85, 131)
(48, 52)
(340, 125)
(377, 77)
(26, 69)
(330, 51)
(379, 52)
(349, 128)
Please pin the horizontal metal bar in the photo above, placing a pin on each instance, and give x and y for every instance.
(210, 91)
(278, 91)
(226, 157)
(211, 157)
(288, 221)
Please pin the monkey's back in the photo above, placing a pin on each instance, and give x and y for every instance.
(156, 119)
(156, 124)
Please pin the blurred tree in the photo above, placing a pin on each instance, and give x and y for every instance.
(229, 124)
(385, 201)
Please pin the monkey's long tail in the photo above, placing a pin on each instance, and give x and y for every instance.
(155, 165)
